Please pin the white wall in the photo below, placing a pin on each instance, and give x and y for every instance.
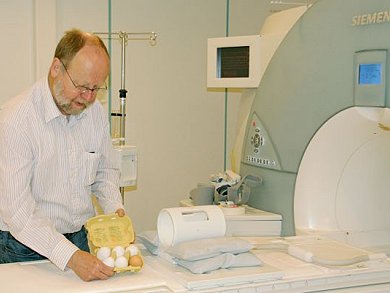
(175, 122)
(16, 63)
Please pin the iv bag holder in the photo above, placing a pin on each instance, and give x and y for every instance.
(124, 37)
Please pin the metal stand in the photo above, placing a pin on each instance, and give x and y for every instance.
(124, 37)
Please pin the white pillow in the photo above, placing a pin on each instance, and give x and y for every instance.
(205, 248)
(224, 261)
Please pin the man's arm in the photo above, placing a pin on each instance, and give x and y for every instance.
(106, 185)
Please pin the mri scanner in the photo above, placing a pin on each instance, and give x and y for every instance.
(320, 115)
(316, 129)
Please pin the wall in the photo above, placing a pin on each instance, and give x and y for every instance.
(16, 63)
(177, 124)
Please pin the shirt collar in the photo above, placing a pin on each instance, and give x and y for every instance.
(51, 110)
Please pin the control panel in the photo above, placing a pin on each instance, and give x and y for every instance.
(259, 150)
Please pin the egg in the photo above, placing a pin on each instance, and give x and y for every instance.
(121, 262)
(136, 261)
(103, 253)
(132, 249)
(119, 250)
(109, 261)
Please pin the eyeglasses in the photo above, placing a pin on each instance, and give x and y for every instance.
(84, 89)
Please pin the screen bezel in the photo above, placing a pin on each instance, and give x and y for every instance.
(214, 44)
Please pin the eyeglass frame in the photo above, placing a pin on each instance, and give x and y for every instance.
(81, 88)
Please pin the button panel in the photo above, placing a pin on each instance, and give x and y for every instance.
(259, 150)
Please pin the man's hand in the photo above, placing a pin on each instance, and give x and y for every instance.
(120, 212)
(88, 267)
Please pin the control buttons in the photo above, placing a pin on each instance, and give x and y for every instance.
(261, 161)
(256, 140)
(259, 149)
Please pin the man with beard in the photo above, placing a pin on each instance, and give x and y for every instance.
(55, 152)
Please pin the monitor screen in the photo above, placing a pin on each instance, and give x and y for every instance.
(370, 74)
(233, 62)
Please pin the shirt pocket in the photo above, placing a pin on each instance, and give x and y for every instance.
(90, 166)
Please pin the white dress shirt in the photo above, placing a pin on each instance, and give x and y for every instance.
(49, 167)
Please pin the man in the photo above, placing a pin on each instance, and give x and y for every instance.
(55, 151)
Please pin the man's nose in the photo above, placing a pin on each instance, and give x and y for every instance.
(89, 94)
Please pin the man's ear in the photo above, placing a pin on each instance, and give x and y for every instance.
(55, 67)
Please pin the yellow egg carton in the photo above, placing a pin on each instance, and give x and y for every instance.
(112, 231)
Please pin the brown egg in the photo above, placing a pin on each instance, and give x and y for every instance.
(136, 261)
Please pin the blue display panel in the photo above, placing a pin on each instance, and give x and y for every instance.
(370, 74)
(370, 68)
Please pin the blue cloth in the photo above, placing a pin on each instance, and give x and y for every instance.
(11, 250)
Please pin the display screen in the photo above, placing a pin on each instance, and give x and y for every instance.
(370, 74)
(233, 62)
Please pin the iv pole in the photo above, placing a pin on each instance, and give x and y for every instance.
(124, 37)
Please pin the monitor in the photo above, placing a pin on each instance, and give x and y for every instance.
(233, 62)
(370, 78)
(370, 74)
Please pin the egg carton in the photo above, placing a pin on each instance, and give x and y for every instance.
(111, 236)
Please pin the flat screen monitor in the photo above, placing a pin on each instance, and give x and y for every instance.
(370, 74)
(233, 62)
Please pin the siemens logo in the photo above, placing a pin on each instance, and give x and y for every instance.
(371, 18)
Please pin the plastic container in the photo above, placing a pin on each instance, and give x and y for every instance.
(111, 231)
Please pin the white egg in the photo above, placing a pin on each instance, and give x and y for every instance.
(103, 253)
(119, 250)
(132, 249)
(109, 261)
(121, 262)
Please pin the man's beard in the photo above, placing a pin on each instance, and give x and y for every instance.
(64, 104)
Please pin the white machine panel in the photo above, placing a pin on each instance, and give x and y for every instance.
(127, 157)
(253, 222)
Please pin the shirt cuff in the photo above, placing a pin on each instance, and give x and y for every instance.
(62, 253)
